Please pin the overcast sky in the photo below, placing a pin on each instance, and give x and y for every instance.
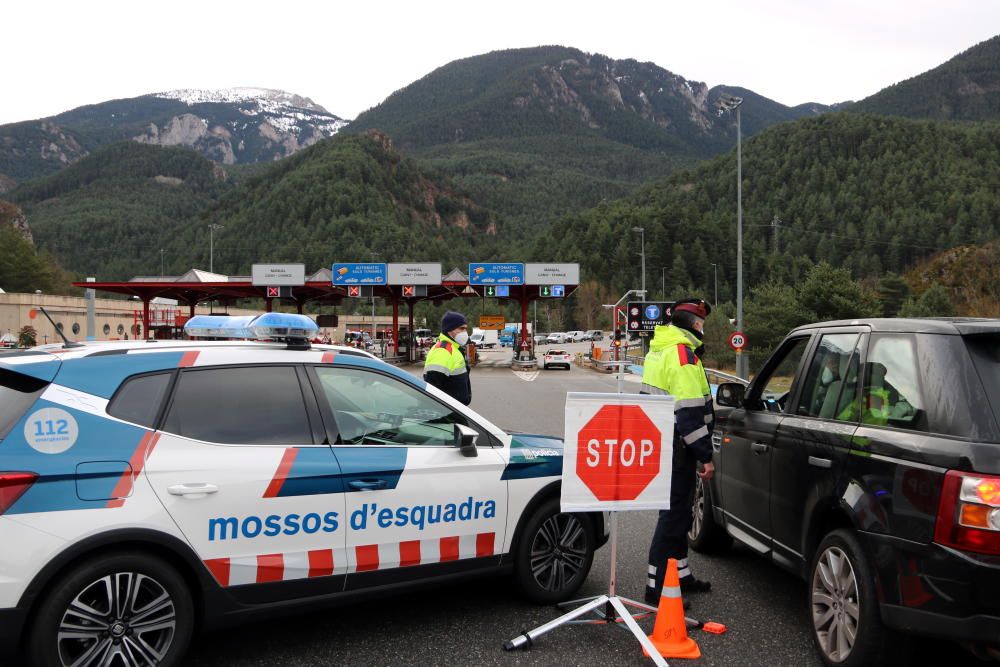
(348, 56)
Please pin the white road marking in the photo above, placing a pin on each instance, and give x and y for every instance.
(530, 376)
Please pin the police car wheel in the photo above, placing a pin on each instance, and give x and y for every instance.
(128, 609)
(843, 606)
(554, 554)
(705, 535)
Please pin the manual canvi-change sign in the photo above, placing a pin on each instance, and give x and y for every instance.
(617, 452)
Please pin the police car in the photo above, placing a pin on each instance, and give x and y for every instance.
(149, 486)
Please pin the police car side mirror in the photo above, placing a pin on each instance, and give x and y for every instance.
(465, 440)
(730, 395)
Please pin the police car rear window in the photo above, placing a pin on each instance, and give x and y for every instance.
(243, 405)
(139, 398)
(17, 393)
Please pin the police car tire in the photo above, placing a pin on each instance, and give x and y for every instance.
(42, 647)
(706, 536)
(523, 575)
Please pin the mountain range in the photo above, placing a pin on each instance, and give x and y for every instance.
(230, 126)
(547, 153)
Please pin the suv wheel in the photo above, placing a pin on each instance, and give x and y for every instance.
(843, 606)
(705, 535)
(127, 610)
(554, 554)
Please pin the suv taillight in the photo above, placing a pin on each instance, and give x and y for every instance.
(12, 486)
(969, 513)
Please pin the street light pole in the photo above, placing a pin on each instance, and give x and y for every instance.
(211, 246)
(642, 239)
(161, 262)
(663, 282)
(731, 103)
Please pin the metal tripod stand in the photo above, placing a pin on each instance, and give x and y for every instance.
(609, 608)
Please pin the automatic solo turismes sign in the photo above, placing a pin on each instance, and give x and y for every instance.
(618, 452)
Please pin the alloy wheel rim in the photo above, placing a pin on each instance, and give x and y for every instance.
(836, 610)
(698, 510)
(558, 552)
(125, 619)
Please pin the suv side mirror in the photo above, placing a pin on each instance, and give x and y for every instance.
(730, 394)
(465, 440)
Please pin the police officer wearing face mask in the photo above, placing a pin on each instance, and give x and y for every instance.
(673, 367)
(446, 367)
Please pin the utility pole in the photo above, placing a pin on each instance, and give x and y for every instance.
(775, 221)
(161, 263)
(211, 246)
(731, 103)
(642, 239)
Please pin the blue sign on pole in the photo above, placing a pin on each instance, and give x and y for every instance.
(503, 291)
(558, 290)
(360, 274)
(496, 274)
(652, 312)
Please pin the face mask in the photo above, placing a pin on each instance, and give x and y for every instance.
(826, 377)
(462, 338)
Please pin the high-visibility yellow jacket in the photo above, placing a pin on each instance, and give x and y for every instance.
(672, 367)
(447, 369)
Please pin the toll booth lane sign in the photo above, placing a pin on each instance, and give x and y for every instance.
(414, 274)
(481, 273)
(645, 316)
(618, 450)
(359, 274)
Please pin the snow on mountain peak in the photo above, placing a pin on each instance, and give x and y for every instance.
(285, 111)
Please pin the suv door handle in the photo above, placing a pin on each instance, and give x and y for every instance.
(760, 447)
(366, 484)
(199, 489)
(820, 463)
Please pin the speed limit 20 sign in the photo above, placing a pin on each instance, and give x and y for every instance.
(737, 340)
(617, 452)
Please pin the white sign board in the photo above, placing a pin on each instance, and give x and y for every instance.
(414, 274)
(273, 275)
(618, 452)
(551, 274)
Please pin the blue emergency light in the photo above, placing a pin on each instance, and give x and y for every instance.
(295, 329)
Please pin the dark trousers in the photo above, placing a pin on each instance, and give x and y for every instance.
(670, 537)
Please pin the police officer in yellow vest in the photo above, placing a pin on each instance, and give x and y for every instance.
(673, 367)
(446, 367)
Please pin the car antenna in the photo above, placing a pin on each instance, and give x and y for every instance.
(66, 342)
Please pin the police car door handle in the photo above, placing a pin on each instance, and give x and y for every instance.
(366, 484)
(760, 447)
(194, 489)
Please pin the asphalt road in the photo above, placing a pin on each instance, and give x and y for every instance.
(763, 607)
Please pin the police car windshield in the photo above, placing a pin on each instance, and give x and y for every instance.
(372, 409)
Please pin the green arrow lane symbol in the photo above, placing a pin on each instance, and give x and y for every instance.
(545, 291)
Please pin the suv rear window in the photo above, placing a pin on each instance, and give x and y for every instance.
(985, 352)
(17, 393)
(138, 399)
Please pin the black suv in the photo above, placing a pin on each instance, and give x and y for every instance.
(865, 457)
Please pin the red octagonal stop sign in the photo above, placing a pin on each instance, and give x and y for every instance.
(618, 452)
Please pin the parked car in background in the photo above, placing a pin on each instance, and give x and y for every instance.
(575, 336)
(594, 335)
(556, 337)
(553, 358)
(541, 338)
(865, 457)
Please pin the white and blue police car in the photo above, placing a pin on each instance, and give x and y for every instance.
(147, 486)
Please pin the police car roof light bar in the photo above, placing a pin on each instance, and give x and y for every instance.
(294, 329)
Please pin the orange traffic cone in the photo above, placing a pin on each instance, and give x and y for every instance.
(670, 635)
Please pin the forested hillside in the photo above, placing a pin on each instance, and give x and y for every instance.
(866, 193)
(111, 213)
(967, 87)
(536, 133)
(347, 198)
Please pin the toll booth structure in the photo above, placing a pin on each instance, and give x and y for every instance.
(198, 286)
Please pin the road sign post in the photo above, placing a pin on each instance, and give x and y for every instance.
(617, 456)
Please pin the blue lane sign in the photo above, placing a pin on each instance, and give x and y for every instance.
(558, 290)
(360, 274)
(652, 312)
(496, 274)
